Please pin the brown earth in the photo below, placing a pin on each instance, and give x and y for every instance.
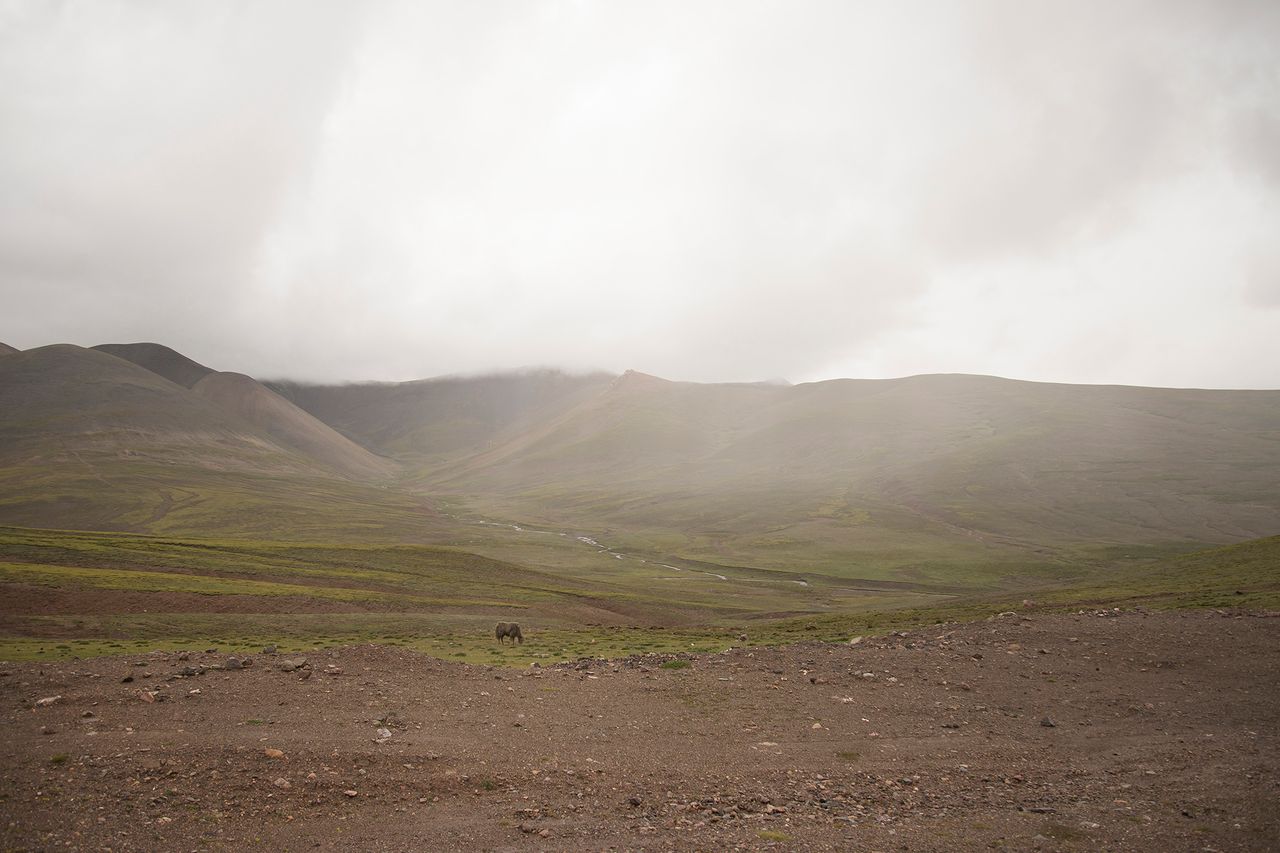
(1097, 731)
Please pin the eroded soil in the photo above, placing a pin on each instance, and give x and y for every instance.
(1029, 731)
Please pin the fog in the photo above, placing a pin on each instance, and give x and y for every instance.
(1080, 192)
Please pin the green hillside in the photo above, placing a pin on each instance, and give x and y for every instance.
(894, 472)
(91, 441)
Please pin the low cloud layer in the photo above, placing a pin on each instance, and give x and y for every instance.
(715, 191)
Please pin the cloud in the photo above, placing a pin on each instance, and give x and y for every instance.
(708, 191)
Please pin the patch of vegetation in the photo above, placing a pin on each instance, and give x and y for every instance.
(678, 663)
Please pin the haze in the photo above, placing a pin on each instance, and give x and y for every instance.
(1078, 192)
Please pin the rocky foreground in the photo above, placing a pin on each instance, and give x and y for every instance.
(1098, 730)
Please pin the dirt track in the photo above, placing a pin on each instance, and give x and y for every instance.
(1163, 736)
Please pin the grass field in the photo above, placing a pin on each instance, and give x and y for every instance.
(76, 594)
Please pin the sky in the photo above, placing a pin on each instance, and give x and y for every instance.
(713, 191)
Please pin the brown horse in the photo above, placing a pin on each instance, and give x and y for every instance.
(509, 629)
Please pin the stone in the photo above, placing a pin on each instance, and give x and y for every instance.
(282, 783)
(351, 792)
(273, 753)
(233, 663)
(1048, 723)
(289, 665)
(47, 701)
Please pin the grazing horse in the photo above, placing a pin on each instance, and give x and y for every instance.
(509, 629)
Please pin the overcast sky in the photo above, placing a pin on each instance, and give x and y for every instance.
(1068, 191)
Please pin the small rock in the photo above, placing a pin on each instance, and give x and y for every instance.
(148, 696)
(127, 679)
(853, 641)
(273, 753)
(269, 650)
(290, 665)
(351, 792)
(45, 730)
(282, 783)
(545, 833)
(47, 701)
(233, 663)
(1048, 723)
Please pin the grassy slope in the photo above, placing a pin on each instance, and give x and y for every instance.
(93, 441)
(915, 475)
(160, 359)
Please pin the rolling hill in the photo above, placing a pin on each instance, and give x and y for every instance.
(5, 349)
(851, 476)
(930, 480)
(157, 358)
(433, 421)
(89, 440)
(290, 426)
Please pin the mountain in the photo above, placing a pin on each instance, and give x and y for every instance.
(438, 420)
(288, 425)
(929, 478)
(89, 440)
(157, 358)
(924, 467)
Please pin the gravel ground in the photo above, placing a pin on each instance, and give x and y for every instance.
(1093, 731)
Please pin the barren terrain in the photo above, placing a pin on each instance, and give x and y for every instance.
(1084, 731)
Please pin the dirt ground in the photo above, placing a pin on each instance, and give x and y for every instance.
(1093, 731)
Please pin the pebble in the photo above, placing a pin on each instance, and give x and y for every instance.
(282, 783)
